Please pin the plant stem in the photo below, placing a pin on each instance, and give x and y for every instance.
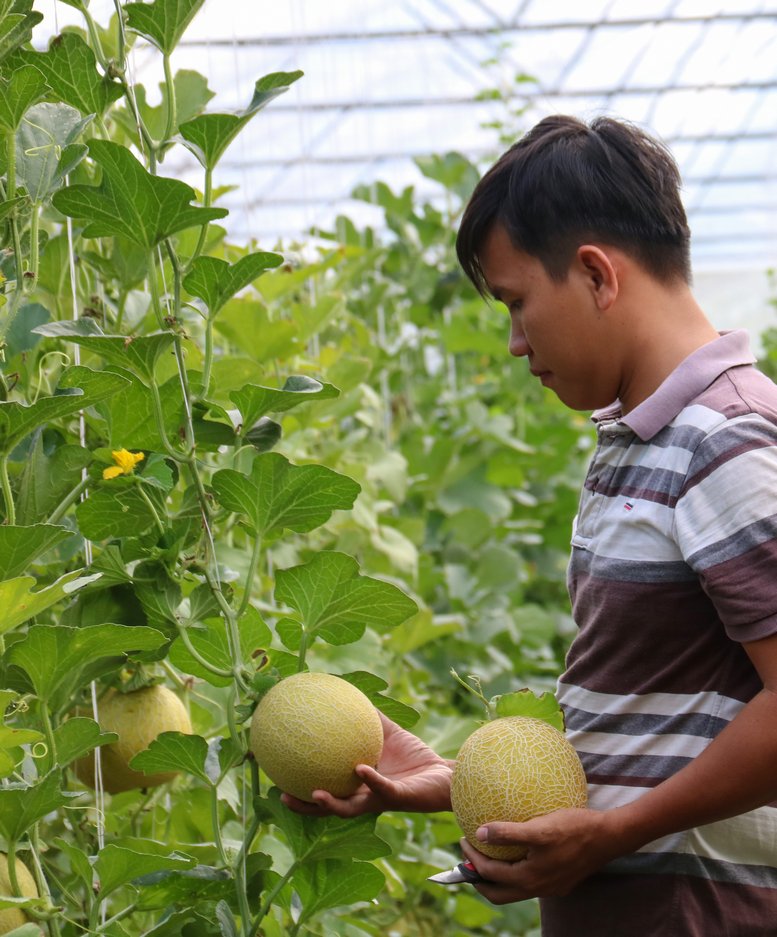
(5, 483)
(206, 199)
(150, 506)
(32, 281)
(45, 716)
(40, 878)
(97, 47)
(172, 115)
(197, 656)
(208, 364)
(214, 815)
(10, 172)
(255, 553)
(69, 498)
(270, 897)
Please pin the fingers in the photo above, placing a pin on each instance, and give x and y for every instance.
(506, 834)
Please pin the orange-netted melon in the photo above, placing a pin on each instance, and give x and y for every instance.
(513, 769)
(311, 730)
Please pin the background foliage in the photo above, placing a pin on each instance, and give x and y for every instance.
(337, 420)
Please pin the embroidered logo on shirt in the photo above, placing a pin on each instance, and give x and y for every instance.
(628, 506)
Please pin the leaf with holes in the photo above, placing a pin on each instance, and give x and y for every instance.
(208, 135)
(130, 201)
(215, 281)
(279, 495)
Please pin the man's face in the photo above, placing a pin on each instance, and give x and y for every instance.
(556, 325)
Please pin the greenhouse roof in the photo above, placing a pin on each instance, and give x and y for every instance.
(387, 81)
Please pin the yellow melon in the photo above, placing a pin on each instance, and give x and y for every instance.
(137, 718)
(513, 769)
(311, 730)
(11, 918)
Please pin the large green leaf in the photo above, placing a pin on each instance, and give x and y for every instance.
(79, 388)
(130, 414)
(162, 22)
(130, 201)
(16, 30)
(25, 87)
(317, 838)
(334, 882)
(254, 401)
(47, 478)
(77, 737)
(174, 751)
(208, 135)
(336, 602)
(46, 149)
(114, 512)
(138, 353)
(215, 281)
(70, 69)
(19, 603)
(278, 495)
(118, 865)
(59, 660)
(22, 805)
(19, 546)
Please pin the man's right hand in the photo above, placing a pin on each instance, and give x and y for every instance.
(409, 777)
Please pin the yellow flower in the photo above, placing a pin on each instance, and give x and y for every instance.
(125, 463)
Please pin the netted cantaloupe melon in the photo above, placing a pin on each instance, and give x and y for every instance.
(11, 918)
(311, 730)
(513, 769)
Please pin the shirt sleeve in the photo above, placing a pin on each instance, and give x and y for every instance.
(726, 524)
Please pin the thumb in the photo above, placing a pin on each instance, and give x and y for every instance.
(507, 834)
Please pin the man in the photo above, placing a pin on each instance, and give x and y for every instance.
(670, 688)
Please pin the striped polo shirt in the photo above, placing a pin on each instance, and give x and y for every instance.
(674, 563)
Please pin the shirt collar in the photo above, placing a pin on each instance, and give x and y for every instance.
(686, 382)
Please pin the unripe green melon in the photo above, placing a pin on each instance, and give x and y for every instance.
(137, 718)
(513, 769)
(311, 730)
(11, 918)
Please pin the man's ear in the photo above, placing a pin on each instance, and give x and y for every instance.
(601, 274)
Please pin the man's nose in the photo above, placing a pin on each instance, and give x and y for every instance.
(517, 346)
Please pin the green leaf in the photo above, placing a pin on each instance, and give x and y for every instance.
(59, 660)
(209, 135)
(335, 882)
(20, 546)
(215, 281)
(47, 479)
(130, 414)
(19, 603)
(79, 861)
(139, 354)
(372, 686)
(79, 388)
(527, 703)
(25, 88)
(318, 838)
(109, 512)
(226, 920)
(118, 865)
(336, 602)
(11, 741)
(254, 401)
(16, 30)
(46, 148)
(70, 69)
(79, 736)
(191, 95)
(279, 495)
(131, 202)
(22, 805)
(174, 751)
(264, 434)
(212, 644)
(162, 22)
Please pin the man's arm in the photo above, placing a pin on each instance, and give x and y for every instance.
(734, 774)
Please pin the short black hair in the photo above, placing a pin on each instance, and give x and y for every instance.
(567, 182)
